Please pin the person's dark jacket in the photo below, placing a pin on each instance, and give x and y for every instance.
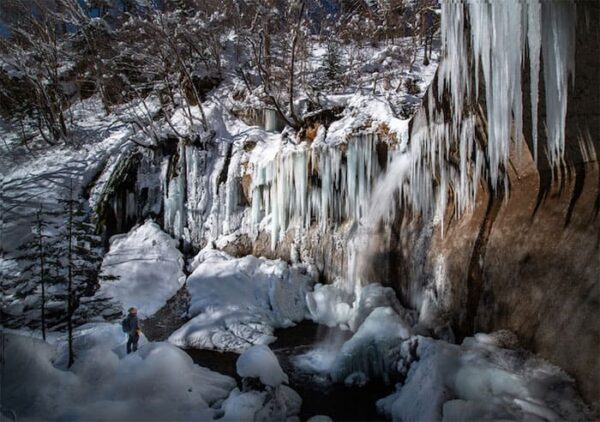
(133, 324)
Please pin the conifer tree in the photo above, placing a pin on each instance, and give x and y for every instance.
(41, 265)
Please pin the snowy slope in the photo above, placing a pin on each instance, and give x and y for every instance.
(44, 179)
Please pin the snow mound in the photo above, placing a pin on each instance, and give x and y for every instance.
(373, 351)
(479, 381)
(260, 362)
(236, 303)
(159, 382)
(89, 336)
(148, 266)
(277, 404)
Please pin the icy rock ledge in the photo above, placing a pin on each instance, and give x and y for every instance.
(236, 303)
(479, 381)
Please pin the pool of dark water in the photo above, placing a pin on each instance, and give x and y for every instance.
(319, 395)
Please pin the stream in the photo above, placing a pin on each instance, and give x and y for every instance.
(319, 395)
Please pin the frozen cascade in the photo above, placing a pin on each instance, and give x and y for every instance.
(286, 188)
(202, 192)
(442, 162)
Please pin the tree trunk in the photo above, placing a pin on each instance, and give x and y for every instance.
(293, 60)
(42, 273)
(70, 275)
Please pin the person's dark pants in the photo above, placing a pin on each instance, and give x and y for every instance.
(132, 342)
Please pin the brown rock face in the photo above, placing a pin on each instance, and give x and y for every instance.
(510, 266)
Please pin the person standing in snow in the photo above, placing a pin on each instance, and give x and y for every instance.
(131, 326)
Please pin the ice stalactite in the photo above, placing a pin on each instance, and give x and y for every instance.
(534, 47)
(558, 52)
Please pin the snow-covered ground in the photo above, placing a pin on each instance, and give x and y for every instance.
(236, 303)
(159, 382)
(148, 268)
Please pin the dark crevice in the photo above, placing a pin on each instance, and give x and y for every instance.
(225, 169)
(475, 274)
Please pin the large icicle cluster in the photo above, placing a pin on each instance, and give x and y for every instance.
(443, 157)
(500, 34)
(318, 182)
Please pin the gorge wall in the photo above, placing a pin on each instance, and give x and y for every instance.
(526, 259)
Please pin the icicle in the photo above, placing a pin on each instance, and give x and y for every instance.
(534, 46)
(558, 50)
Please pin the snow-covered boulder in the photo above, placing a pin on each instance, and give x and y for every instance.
(148, 267)
(330, 304)
(273, 401)
(337, 305)
(260, 362)
(236, 303)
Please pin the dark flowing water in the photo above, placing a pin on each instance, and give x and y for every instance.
(319, 395)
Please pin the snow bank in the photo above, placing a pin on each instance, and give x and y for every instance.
(148, 266)
(159, 382)
(260, 362)
(236, 303)
(479, 381)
